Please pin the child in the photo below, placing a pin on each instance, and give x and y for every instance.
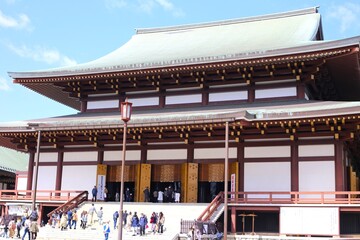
(106, 229)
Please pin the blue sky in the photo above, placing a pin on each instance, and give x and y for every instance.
(42, 34)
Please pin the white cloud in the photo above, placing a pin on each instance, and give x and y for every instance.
(347, 14)
(21, 22)
(42, 54)
(115, 3)
(4, 86)
(166, 5)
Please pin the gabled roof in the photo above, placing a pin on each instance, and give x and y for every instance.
(201, 43)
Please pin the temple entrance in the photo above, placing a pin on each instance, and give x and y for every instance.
(114, 188)
(207, 191)
(165, 177)
(169, 189)
(113, 182)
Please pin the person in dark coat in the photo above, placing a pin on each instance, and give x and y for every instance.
(142, 222)
(94, 194)
(134, 223)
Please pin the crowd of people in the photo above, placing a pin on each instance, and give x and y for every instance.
(26, 225)
(131, 222)
(140, 225)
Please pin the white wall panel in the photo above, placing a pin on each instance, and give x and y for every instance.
(80, 156)
(103, 104)
(48, 157)
(85, 178)
(268, 151)
(117, 155)
(316, 176)
(141, 102)
(167, 154)
(316, 150)
(228, 96)
(192, 98)
(46, 178)
(264, 176)
(213, 153)
(277, 92)
(21, 183)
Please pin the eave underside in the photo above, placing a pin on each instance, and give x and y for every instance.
(339, 126)
(71, 90)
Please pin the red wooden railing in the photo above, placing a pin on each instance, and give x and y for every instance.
(211, 208)
(41, 195)
(239, 198)
(343, 197)
(72, 203)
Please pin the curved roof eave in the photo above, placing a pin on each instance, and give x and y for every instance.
(255, 37)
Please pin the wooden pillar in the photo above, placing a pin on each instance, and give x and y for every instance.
(142, 180)
(300, 91)
(189, 182)
(162, 100)
(190, 153)
(30, 175)
(100, 158)
(59, 170)
(233, 220)
(241, 160)
(294, 166)
(143, 154)
(339, 167)
(205, 96)
(251, 94)
(83, 106)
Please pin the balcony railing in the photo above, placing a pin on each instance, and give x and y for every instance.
(41, 195)
(344, 197)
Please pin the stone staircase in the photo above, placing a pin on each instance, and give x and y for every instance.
(173, 213)
(49, 233)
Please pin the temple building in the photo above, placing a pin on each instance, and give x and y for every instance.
(290, 100)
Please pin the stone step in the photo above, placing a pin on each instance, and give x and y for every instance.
(48, 233)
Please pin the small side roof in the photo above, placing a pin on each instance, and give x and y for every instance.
(12, 161)
(201, 43)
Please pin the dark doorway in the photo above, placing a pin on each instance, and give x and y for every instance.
(114, 187)
(45, 210)
(157, 186)
(349, 223)
(207, 191)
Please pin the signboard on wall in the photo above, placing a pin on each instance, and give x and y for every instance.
(101, 181)
(309, 221)
(233, 185)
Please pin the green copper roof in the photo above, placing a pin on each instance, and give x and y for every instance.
(202, 43)
(12, 161)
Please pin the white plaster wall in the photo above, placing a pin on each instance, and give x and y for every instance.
(267, 176)
(21, 183)
(117, 155)
(102, 104)
(167, 154)
(80, 178)
(80, 156)
(316, 150)
(277, 92)
(316, 176)
(228, 96)
(192, 98)
(46, 178)
(213, 153)
(48, 157)
(268, 151)
(141, 102)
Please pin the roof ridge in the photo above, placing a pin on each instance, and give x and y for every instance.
(230, 21)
